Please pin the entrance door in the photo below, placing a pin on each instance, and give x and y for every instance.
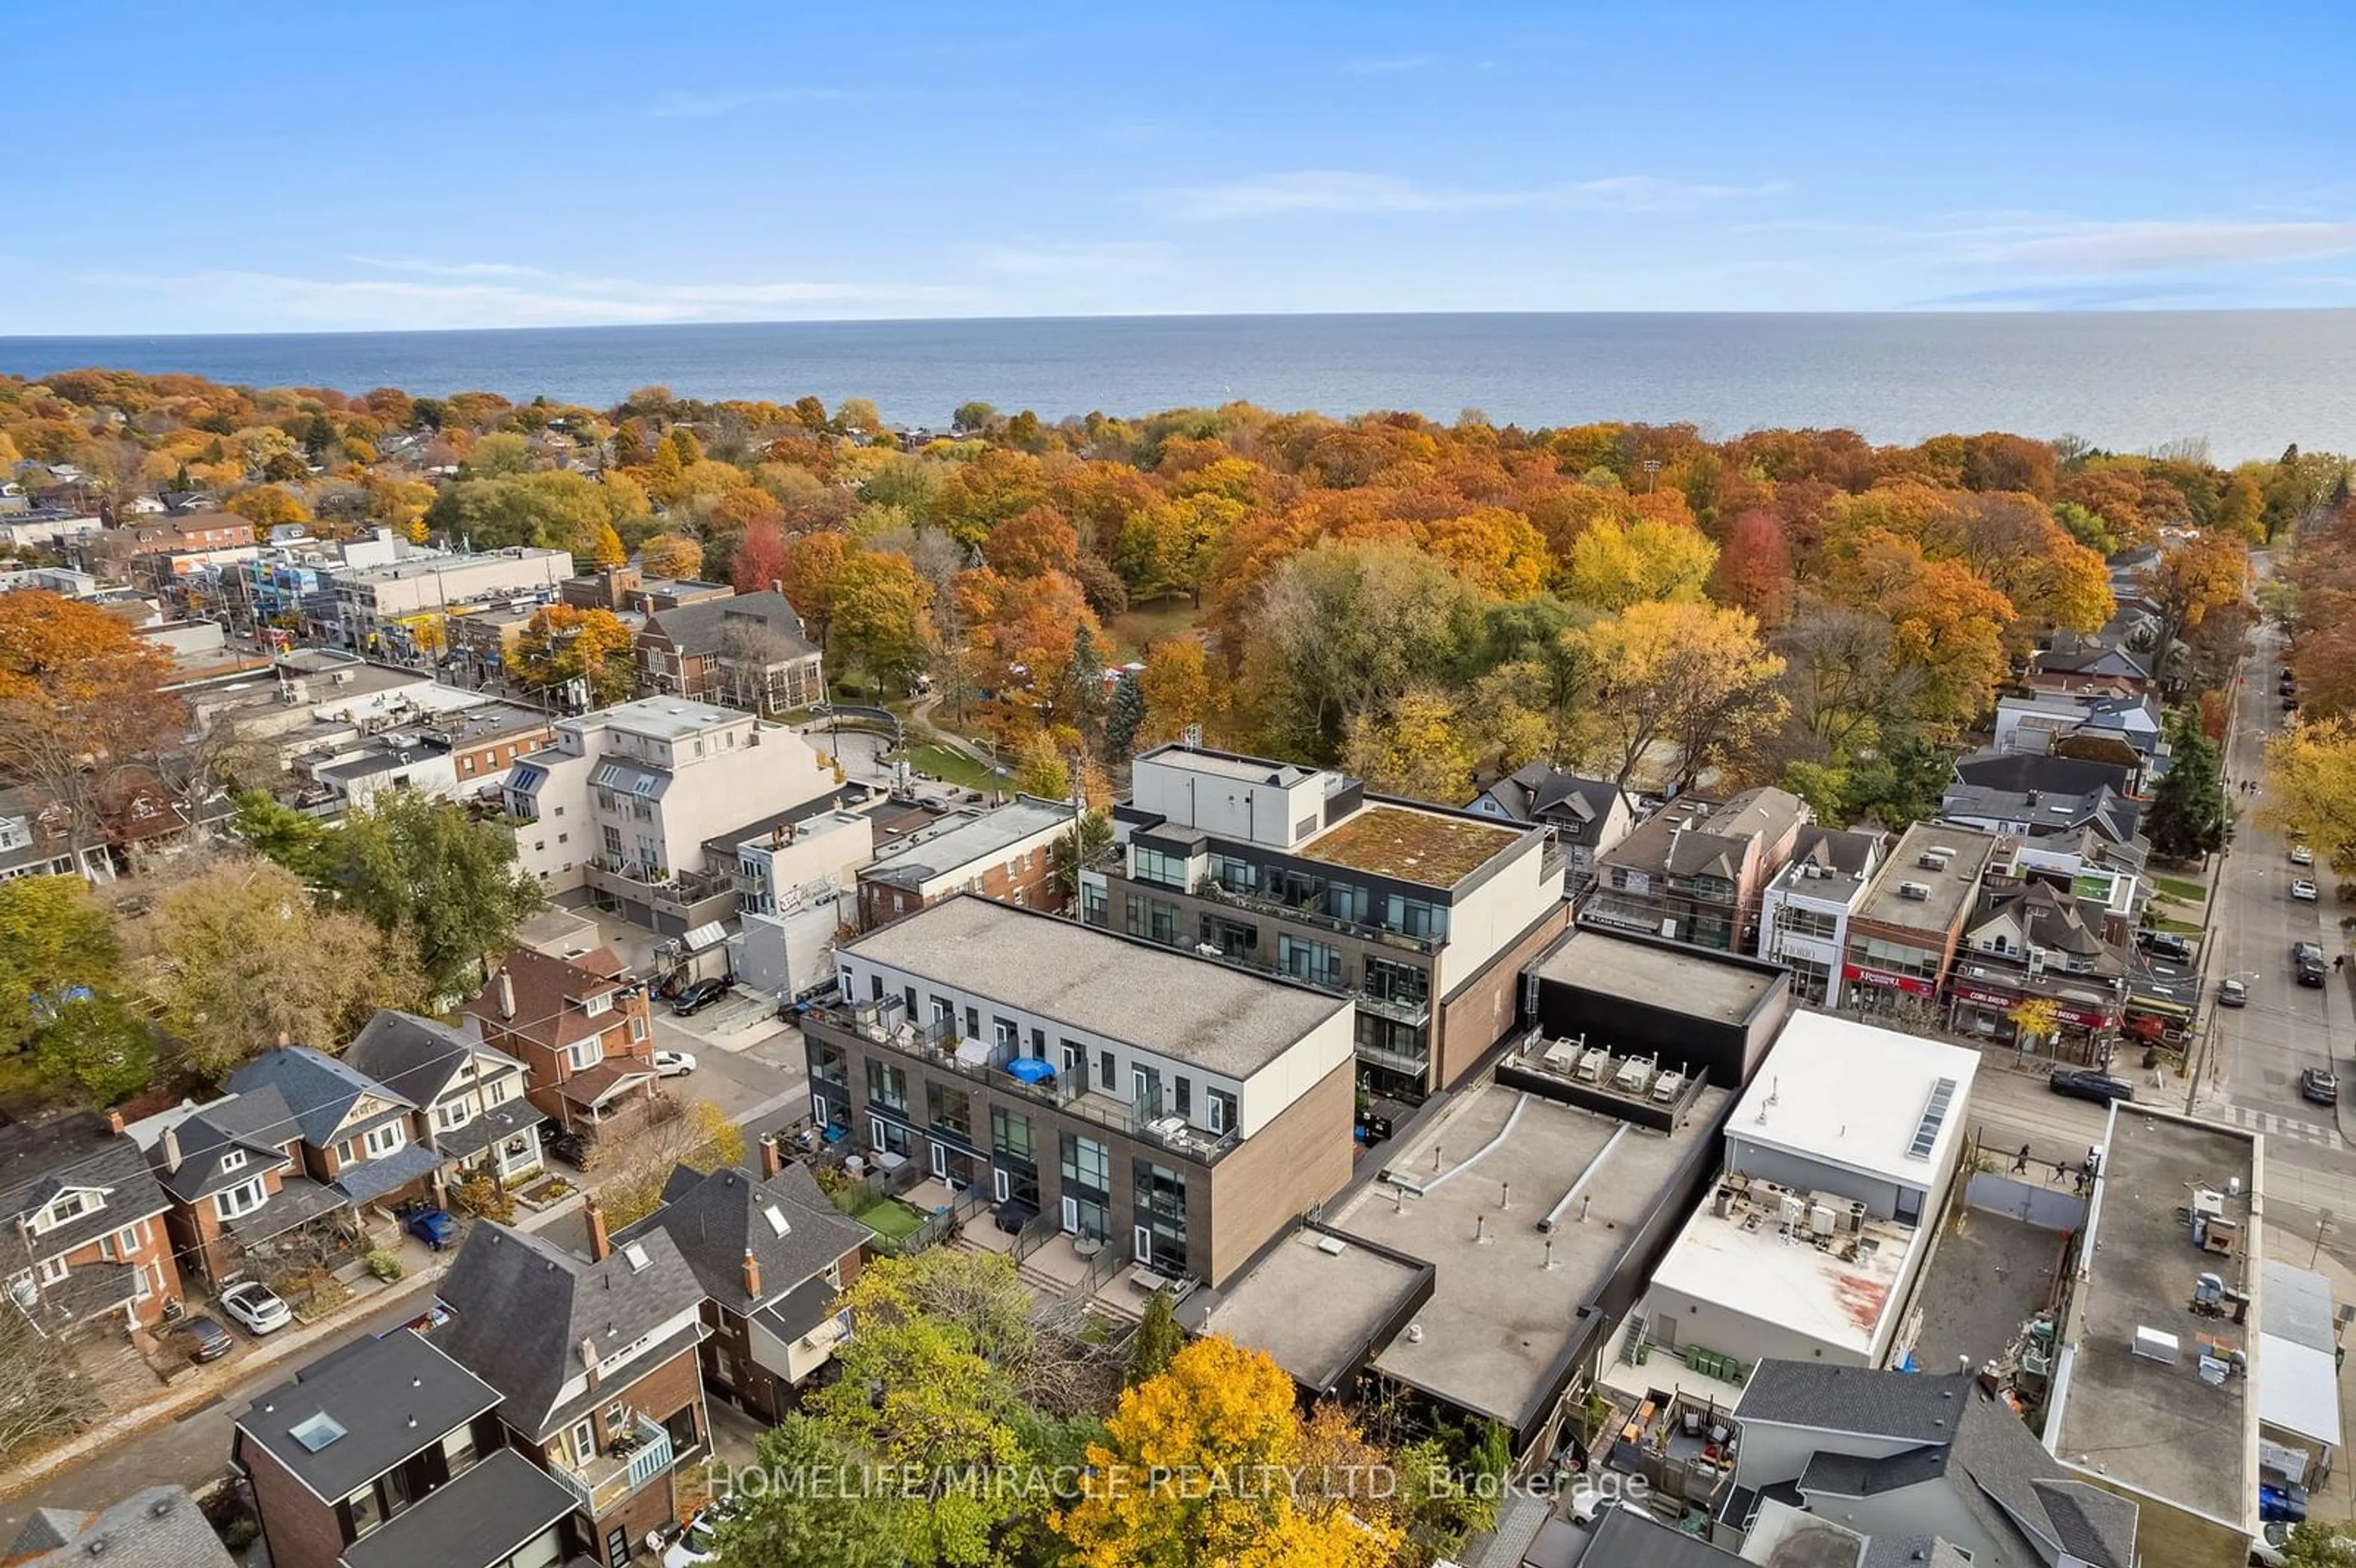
(940, 1159)
(1071, 1216)
(999, 1185)
(1145, 1246)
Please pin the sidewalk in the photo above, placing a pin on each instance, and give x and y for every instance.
(371, 1298)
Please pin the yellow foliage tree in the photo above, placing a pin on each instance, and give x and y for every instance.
(1196, 1471)
(561, 641)
(1176, 685)
(1613, 565)
(1689, 678)
(1496, 550)
(1414, 748)
(2311, 786)
(671, 555)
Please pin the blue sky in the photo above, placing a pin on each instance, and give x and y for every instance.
(265, 167)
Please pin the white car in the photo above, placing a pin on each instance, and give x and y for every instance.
(2300, 855)
(699, 1542)
(674, 1063)
(255, 1307)
(2302, 890)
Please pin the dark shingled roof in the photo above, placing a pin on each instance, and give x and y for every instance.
(319, 1090)
(157, 1527)
(393, 1397)
(258, 1124)
(715, 1220)
(2022, 770)
(415, 1058)
(481, 1516)
(39, 1162)
(524, 1307)
(701, 628)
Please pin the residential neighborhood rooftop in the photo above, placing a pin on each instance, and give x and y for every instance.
(156, 1527)
(965, 838)
(1315, 1304)
(1210, 1014)
(665, 718)
(498, 1505)
(1892, 901)
(1504, 1308)
(2158, 1425)
(363, 1408)
(1411, 844)
(1662, 975)
(1841, 1295)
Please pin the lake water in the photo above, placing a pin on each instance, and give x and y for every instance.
(2247, 382)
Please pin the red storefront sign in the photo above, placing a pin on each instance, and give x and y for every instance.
(2082, 1017)
(1886, 981)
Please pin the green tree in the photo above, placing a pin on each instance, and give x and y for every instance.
(1158, 1338)
(301, 843)
(1044, 772)
(98, 1046)
(559, 511)
(1125, 715)
(54, 936)
(808, 1516)
(427, 872)
(2188, 818)
(2314, 1544)
(877, 617)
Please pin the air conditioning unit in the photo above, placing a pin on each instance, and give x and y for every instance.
(1931, 860)
(1793, 1208)
(1917, 892)
(1820, 1220)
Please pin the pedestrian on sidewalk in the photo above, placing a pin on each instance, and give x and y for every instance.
(2020, 1160)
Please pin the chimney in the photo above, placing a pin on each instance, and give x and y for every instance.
(589, 1359)
(772, 1161)
(752, 1275)
(114, 1123)
(506, 995)
(171, 1148)
(601, 1246)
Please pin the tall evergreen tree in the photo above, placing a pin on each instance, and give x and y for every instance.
(2188, 818)
(1158, 1338)
(1126, 715)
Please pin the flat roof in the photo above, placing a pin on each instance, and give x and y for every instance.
(1857, 1096)
(1412, 845)
(500, 1503)
(1840, 1295)
(1191, 1010)
(1951, 891)
(1315, 1312)
(1660, 975)
(953, 843)
(1503, 1310)
(665, 718)
(1228, 766)
(2149, 1425)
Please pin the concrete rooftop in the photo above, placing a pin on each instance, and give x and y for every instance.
(1313, 1311)
(1501, 1314)
(1654, 975)
(2128, 1419)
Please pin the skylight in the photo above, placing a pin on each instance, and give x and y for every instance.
(636, 1255)
(1934, 1117)
(315, 1431)
(776, 1217)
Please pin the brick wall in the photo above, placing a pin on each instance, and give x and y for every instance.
(1301, 1157)
(1485, 1009)
(301, 1531)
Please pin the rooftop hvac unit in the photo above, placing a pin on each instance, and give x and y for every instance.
(1590, 1069)
(1562, 1056)
(1634, 1076)
(2156, 1345)
(1914, 890)
(1932, 860)
(1820, 1220)
(2208, 1202)
(1665, 1087)
(1793, 1208)
(1853, 1218)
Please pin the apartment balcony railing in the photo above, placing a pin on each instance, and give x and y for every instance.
(1416, 1063)
(937, 1045)
(1303, 914)
(1414, 1014)
(606, 1480)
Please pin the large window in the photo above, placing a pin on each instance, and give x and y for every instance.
(1236, 876)
(1800, 921)
(1011, 1136)
(1088, 1167)
(240, 1200)
(826, 1063)
(1402, 984)
(383, 1140)
(1415, 917)
(952, 1111)
(1157, 865)
(1304, 959)
(1160, 1216)
(887, 1087)
(1093, 903)
(1153, 919)
(582, 1055)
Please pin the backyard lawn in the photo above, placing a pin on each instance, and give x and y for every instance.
(931, 757)
(2179, 890)
(1137, 630)
(890, 1219)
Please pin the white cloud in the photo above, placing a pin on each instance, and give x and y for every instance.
(1085, 257)
(1339, 191)
(471, 294)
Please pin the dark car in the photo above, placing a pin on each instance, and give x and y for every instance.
(698, 997)
(433, 1227)
(205, 1339)
(569, 1147)
(2306, 958)
(2165, 944)
(2319, 1086)
(2082, 1084)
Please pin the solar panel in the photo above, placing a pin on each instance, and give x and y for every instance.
(1934, 1117)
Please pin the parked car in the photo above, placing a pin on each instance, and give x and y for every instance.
(2232, 993)
(2300, 855)
(2290, 703)
(255, 1307)
(2302, 890)
(2080, 1084)
(2306, 958)
(2319, 1086)
(434, 1227)
(204, 1339)
(699, 1542)
(674, 1063)
(698, 997)
(2165, 944)
(569, 1147)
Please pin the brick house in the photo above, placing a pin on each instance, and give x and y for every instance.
(1007, 853)
(471, 1100)
(1697, 870)
(596, 1364)
(87, 1247)
(747, 650)
(387, 1453)
(1904, 934)
(580, 1028)
(772, 1253)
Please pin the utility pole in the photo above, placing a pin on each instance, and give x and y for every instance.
(2322, 1224)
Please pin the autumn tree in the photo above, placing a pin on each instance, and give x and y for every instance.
(878, 621)
(2311, 786)
(84, 721)
(627, 1173)
(1413, 746)
(1947, 623)
(436, 880)
(759, 558)
(564, 643)
(1176, 686)
(812, 562)
(1044, 771)
(1611, 566)
(1691, 679)
(1196, 1470)
(269, 506)
(1033, 542)
(2193, 582)
(671, 555)
(237, 960)
(56, 939)
(1754, 569)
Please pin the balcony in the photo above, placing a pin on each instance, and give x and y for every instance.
(1415, 1064)
(937, 1045)
(1212, 893)
(1414, 1014)
(634, 1460)
(696, 897)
